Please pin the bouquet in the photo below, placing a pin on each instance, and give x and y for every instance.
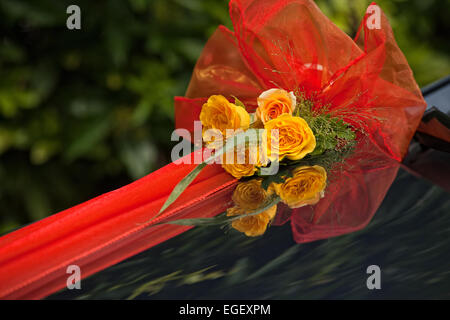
(311, 123)
(280, 153)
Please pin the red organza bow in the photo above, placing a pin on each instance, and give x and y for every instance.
(294, 46)
(275, 43)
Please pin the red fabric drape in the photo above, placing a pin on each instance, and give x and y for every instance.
(105, 230)
(275, 43)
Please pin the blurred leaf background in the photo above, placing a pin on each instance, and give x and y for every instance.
(84, 112)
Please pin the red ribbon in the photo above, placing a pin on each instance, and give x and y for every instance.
(106, 230)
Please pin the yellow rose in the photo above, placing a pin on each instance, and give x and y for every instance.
(275, 102)
(219, 113)
(305, 187)
(236, 168)
(254, 225)
(295, 138)
(250, 195)
(242, 162)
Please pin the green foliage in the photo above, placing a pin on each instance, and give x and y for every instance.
(331, 133)
(84, 112)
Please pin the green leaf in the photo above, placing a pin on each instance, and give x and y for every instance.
(181, 186)
(238, 102)
(239, 139)
(88, 136)
(223, 218)
(218, 220)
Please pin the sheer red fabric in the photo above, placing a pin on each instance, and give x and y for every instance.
(275, 43)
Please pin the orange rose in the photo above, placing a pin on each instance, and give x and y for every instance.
(275, 102)
(305, 187)
(254, 225)
(295, 138)
(219, 113)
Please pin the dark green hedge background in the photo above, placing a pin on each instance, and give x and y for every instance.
(85, 112)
